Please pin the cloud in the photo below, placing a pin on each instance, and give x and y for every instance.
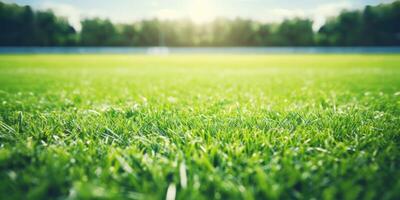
(318, 14)
(70, 12)
(73, 14)
(279, 14)
(322, 12)
(332, 9)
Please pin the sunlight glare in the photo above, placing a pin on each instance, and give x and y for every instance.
(202, 11)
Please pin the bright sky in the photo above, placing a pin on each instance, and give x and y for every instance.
(197, 10)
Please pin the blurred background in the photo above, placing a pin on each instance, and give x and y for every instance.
(199, 23)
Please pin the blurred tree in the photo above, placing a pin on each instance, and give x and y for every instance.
(149, 33)
(185, 33)
(129, 35)
(220, 31)
(52, 31)
(243, 33)
(372, 26)
(13, 27)
(20, 26)
(98, 32)
(296, 32)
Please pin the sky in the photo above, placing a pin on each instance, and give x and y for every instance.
(125, 11)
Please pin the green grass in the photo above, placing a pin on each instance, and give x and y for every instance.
(200, 126)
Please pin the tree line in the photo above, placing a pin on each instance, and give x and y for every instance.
(372, 26)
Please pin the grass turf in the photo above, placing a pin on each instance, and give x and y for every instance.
(200, 127)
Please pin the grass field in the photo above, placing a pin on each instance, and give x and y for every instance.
(200, 127)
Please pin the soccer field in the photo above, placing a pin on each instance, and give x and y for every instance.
(200, 126)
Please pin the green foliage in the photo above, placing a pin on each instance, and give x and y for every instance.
(203, 126)
(296, 32)
(97, 32)
(149, 33)
(20, 26)
(379, 25)
(374, 26)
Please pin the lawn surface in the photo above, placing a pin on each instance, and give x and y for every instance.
(200, 127)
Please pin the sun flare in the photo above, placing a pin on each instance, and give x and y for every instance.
(202, 10)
